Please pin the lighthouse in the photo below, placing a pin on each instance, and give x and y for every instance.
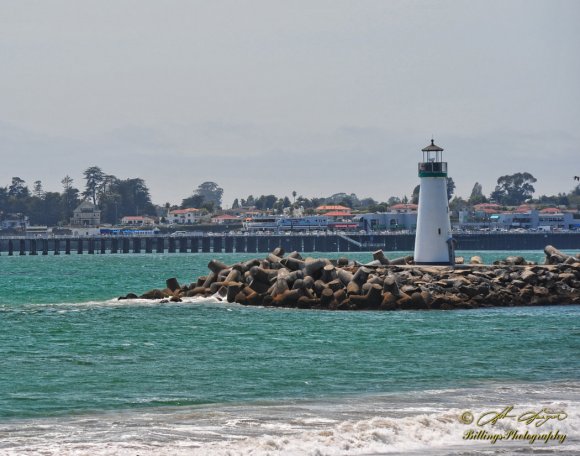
(433, 242)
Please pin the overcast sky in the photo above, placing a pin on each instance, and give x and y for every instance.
(273, 96)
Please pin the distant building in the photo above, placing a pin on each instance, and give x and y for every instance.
(224, 219)
(86, 214)
(404, 207)
(484, 207)
(549, 218)
(378, 221)
(16, 222)
(333, 208)
(187, 216)
(241, 211)
(338, 216)
(137, 220)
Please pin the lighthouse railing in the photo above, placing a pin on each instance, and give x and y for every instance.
(433, 167)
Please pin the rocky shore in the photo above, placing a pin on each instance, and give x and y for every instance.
(281, 280)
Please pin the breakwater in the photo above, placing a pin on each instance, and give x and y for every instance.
(267, 243)
(320, 283)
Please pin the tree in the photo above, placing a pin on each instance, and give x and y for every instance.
(514, 189)
(450, 188)
(457, 204)
(236, 204)
(209, 206)
(70, 198)
(343, 199)
(134, 197)
(52, 208)
(3, 200)
(211, 192)
(37, 189)
(265, 202)
(393, 200)
(381, 207)
(121, 197)
(561, 199)
(66, 182)
(109, 185)
(573, 197)
(348, 201)
(477, 196)
(368, 202)
(17, 189)
(278, 206)
(192, 201)
(294, 196)
(415, 195)
(94, 177)
(45, 210)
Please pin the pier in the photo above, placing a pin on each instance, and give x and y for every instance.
(240, 243)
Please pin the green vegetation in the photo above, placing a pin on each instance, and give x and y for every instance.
(514, 189)
(117, 198)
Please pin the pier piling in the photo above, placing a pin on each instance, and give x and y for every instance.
(258, 243)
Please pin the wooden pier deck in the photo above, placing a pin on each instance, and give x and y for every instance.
(222, 243)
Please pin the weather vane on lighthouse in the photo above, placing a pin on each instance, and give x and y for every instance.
(433, 241)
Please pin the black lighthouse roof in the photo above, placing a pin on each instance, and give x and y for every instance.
(432, 148)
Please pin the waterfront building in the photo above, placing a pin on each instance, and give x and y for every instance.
(225, 219)
(551, 219)
(86, 214)
(14, 222)
(433, 241)
(137, 220)
(388, 221)
(343, 210)
(404, 207)
(187, 216)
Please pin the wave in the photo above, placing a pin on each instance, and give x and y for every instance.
(410, 423)
(109, 303)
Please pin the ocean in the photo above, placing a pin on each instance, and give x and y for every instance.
(82, 373)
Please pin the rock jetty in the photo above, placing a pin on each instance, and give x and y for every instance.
(281, 280)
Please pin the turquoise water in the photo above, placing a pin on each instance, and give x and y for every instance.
(68, 349)
(81, 278)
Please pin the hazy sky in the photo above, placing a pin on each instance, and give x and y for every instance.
(273, 96)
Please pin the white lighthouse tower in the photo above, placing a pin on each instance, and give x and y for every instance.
(433, 242)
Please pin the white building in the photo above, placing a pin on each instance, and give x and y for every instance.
(224, 219)
(86, 214)
(137, 220)
(549, 218)
(14, 222)
(388, 221)
(187, 216)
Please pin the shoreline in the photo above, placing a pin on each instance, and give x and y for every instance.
(400, 422)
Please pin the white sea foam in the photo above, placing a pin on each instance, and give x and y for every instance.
(403, 423)
(64, 307)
